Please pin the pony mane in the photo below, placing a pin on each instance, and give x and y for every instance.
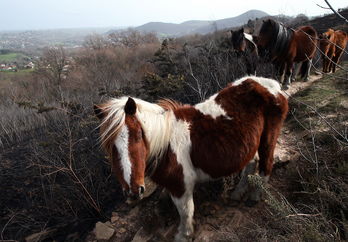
(330, 34)
(154, 120)
(281, 36)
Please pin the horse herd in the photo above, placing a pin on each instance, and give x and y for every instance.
(284, 46)
(179, 145)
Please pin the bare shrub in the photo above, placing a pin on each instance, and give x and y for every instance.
(109, 67)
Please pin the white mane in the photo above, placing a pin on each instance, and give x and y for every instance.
(154, 120)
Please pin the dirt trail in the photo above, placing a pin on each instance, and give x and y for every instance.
(286, 148)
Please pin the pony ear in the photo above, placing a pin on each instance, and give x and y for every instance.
(130, 107)
(99, 112)
(232, 32)
(241, 30)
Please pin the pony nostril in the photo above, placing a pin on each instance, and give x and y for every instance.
(141, 190)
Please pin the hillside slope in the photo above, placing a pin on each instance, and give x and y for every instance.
(321, 24)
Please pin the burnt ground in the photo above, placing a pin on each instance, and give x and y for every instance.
(37, 193)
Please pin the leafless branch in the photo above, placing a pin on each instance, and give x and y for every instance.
(333, 10)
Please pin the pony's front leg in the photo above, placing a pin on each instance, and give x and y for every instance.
(185, 208)
(308, 69)
(288, 72)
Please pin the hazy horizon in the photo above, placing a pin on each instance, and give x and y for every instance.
(20, 15)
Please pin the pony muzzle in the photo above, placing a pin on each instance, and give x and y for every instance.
(132, 195)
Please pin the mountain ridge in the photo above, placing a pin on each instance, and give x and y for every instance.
(198, 26)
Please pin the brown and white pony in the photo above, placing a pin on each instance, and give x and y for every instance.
(179, 145)
(332, 44)
(245, 46)
(288, 46)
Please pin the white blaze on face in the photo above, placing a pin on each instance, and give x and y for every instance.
(210, 107)
(121, 144)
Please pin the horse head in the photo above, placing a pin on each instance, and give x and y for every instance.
(126, 146)
(324, 40)
(238, 42)
(265, 39)
(274, 37)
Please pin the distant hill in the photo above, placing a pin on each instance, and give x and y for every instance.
(197, 26)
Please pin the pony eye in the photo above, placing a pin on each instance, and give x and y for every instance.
(139, 136)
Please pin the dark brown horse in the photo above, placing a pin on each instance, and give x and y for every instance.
(179, 145)
(288, 46)
(332, 44)
(245, 46)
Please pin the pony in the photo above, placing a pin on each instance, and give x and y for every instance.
(179, 145)
(288, 46)
(331, 45)
(245, 45)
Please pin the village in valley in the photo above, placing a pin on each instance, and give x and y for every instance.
(20, 50)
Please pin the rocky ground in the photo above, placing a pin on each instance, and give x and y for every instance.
(155, 217)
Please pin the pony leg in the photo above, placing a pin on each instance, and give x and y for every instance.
(266, 154)
(326, 63)
(242, 186)
(281, 72)
(335, 60)
(256, 195)
(185, 207)
(288, 72)
(295, 71)
(309, 64)
(286, 83)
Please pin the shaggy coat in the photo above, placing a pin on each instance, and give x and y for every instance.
(180, 145)
(332, 45)
(245, 46)
(288, 46)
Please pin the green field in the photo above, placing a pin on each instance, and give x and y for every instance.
(8, 57)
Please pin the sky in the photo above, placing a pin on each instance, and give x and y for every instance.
(53, 14)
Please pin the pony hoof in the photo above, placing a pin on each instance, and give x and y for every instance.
(182, 238)
(250, 203)
(286, 87)
(233, 203)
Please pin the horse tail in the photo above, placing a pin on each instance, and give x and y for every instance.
(304, 68)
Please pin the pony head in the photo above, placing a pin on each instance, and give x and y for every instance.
(273, 40)
(324, 40)
(124, 141)
(238, 42)
(265, 38)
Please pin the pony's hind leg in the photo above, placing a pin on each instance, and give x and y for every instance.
(335, 61)
(242, 186)
(256, 194)
(185, 207)
(266, 153)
